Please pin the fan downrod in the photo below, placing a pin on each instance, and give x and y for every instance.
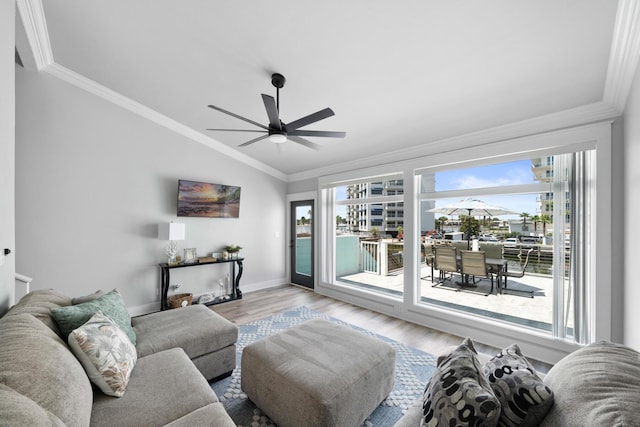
(278, 80)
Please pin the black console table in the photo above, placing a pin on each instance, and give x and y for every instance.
(235, 279)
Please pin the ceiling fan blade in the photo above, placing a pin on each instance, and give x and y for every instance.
(222, 110)
(321, 133)
(253, 140)
(238, 130)
(304, 142)
(311, 118)
(272, 111)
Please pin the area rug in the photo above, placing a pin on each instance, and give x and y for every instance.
(413, 370)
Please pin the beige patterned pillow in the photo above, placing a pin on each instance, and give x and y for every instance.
(106, 353)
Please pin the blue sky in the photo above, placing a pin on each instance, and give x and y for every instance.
(503, 174)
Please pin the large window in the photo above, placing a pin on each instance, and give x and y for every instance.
(369, 223)
(521, 219)
(380, 226)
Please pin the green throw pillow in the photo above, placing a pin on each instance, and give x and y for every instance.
(111, 304)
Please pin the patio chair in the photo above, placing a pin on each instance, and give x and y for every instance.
(445, 262)
(429, 258)
(474, 265)
(503, 275)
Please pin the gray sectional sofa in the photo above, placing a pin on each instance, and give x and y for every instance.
(43, 383)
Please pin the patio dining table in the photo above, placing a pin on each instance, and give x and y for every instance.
(496, 266)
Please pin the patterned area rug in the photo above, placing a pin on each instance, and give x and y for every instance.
(413, 370)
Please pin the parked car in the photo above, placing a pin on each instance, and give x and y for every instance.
(511, 242)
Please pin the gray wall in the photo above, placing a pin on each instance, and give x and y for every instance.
(7, 101)
(93, 181)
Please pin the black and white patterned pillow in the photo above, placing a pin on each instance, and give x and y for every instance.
(458, 393)
(524, 398)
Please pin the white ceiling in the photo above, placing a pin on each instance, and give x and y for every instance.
(397, 74)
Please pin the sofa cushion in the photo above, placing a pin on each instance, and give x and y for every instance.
(458, 393)
(18, 410)
(106, 353)
(196, 329)
(598, 385)
(36, 363)
(39, 303)
(163, 387)
(524, 398)
(111, 304)
(212, 414)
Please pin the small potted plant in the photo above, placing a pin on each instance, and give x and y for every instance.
(232, 250)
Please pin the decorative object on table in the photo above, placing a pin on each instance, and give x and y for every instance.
(201, 199)
(180, 300)
(216, 255)
(190, 255)
(223, 289)
(172, 232)
(205, 298)
(233, 251)
(207, 259)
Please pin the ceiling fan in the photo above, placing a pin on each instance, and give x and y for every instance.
(279, 132)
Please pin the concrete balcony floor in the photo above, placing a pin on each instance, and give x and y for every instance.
(510, 306)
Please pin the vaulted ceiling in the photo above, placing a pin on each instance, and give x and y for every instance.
(399, 75)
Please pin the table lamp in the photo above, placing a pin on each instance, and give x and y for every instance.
(172, 232)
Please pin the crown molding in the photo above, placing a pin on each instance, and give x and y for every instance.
(104, 92)
(35, 27)
(624, 55)
(582, 115)
(623, 62)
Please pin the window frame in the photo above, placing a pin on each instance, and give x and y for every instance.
(538, 345)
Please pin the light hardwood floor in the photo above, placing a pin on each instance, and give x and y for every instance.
(259, 304)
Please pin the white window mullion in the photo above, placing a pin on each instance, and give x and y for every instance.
(561, 288)
(583, 224)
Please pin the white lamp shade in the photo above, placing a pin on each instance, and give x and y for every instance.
(171, 231)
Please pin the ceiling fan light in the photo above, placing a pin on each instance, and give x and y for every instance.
(278, 138)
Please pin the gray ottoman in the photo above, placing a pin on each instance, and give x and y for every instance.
(318, 374)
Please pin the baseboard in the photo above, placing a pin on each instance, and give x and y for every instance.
(252, 287)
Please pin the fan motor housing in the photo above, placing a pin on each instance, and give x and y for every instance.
(278, 80)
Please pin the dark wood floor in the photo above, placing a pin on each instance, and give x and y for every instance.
(259, 304)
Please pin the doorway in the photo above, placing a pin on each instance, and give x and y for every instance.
(301, 245)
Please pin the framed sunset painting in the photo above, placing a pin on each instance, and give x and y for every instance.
(201, 199)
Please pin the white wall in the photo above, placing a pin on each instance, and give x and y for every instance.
(93, 181)
(631, 215)
(7, 147)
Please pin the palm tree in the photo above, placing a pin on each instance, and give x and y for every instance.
(545, 219)
(469, 225)
(524, 216)
(440, 223)
(535, 219)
